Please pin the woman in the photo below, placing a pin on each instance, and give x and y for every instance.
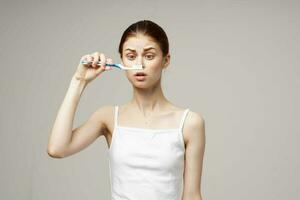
(155, 148)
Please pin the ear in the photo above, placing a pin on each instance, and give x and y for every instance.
(167, 60)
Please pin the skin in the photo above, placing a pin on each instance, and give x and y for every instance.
(148, 106)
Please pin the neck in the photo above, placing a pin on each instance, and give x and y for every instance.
(150, 100)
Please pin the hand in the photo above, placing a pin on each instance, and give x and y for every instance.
(88, 72)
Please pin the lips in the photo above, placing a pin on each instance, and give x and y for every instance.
(140, 74)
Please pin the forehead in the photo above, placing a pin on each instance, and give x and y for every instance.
(139, 43)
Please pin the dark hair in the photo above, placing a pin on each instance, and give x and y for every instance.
(148, 28)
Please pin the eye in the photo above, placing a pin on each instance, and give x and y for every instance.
(150, 56)
(130, 56)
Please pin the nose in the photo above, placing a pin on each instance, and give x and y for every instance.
(140, 62)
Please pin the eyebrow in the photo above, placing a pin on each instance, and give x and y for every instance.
(146, 49)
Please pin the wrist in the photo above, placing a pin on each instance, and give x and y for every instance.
(78, 78)
(78, 83)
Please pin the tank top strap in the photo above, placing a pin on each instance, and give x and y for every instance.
(116, 116)
(183, 119)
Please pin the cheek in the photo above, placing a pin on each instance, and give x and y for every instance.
(153, 64)
(126, 62)
(154, 67)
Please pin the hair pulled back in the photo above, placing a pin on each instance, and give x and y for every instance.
(147, 28)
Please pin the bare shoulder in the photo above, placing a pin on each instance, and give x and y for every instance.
(195, 119)
(104, 111)
(194, 127)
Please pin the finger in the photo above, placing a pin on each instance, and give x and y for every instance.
(83, 58)
(95, 59)
(102, 60)
(89, 58)
(99, 70)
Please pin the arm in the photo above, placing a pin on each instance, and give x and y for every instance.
(195, 147)
(63, 140)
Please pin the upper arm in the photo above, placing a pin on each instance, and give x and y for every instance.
(89, 131)
(195, 130)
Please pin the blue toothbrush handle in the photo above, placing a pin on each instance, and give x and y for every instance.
(111, 65)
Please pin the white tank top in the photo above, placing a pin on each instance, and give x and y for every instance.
(146, 164)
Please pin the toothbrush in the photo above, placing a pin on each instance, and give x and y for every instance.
(117, 65)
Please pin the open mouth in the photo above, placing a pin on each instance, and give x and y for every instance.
(140, 74)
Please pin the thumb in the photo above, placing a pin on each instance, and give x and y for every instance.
(100, 70)
(109, 61)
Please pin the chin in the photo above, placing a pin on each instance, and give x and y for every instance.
(141, 85)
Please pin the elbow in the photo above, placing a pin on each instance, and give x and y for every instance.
(54, 153)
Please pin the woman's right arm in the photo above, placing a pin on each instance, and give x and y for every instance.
(64, 140)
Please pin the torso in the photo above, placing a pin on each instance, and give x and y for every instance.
(128, 117)
(147, 157)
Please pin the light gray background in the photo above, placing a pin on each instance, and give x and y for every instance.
(235, 62)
